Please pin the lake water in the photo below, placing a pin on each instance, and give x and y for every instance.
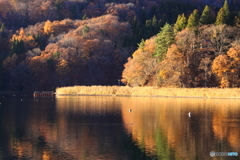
(92, 128)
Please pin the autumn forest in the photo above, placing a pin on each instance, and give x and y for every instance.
(167, 43)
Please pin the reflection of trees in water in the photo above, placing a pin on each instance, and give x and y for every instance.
(163, 128)
(74, 132)
(99, 105)
(63, 137)
(226, 127)
(37, 149)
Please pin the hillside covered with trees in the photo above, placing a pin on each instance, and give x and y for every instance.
(53, 43)
(202, 50)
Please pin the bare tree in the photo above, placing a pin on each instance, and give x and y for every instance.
(221, 37)
(205, 65)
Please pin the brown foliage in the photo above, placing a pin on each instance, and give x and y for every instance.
(226, 67)
(124, 11)
(57, 27)
(171, 68)
(221, 37)
(189, 62)
(68, 56)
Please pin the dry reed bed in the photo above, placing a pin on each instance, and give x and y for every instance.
(150, 91)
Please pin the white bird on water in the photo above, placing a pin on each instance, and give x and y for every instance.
(189, 114)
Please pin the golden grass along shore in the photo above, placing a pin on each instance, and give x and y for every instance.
(150, 91)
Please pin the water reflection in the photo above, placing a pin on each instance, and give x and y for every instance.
(65, 128)
(86, 105)
(163, 128)
(117, 128)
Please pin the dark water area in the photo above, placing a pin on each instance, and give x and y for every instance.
(124, 128)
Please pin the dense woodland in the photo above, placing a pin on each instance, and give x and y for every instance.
(201, 50)
(52, 43)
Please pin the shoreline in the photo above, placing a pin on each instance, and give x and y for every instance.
(151, 96)
(125, 91)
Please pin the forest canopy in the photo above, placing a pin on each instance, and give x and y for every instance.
(53, 43)
(194, 53)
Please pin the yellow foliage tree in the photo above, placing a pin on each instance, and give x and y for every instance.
(48, 27)
(57, 27)
(29, 40)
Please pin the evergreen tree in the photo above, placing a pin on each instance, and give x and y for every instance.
(180, 24)
(206, 17)
(176, 25)
(220, 17)
(141, 45)
(226, 10)
(164, 39)
(84, 17)
(2, 28)
(17, 47)
(154, 21)
(155, 24)
(148, 29)
(85, 30)
(223, 16)
(193, 19)
(148, 23)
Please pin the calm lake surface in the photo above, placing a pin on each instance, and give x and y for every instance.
(91, 128)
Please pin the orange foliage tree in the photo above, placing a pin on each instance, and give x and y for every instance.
(171, 68)
(141, 69)
(226, 67)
